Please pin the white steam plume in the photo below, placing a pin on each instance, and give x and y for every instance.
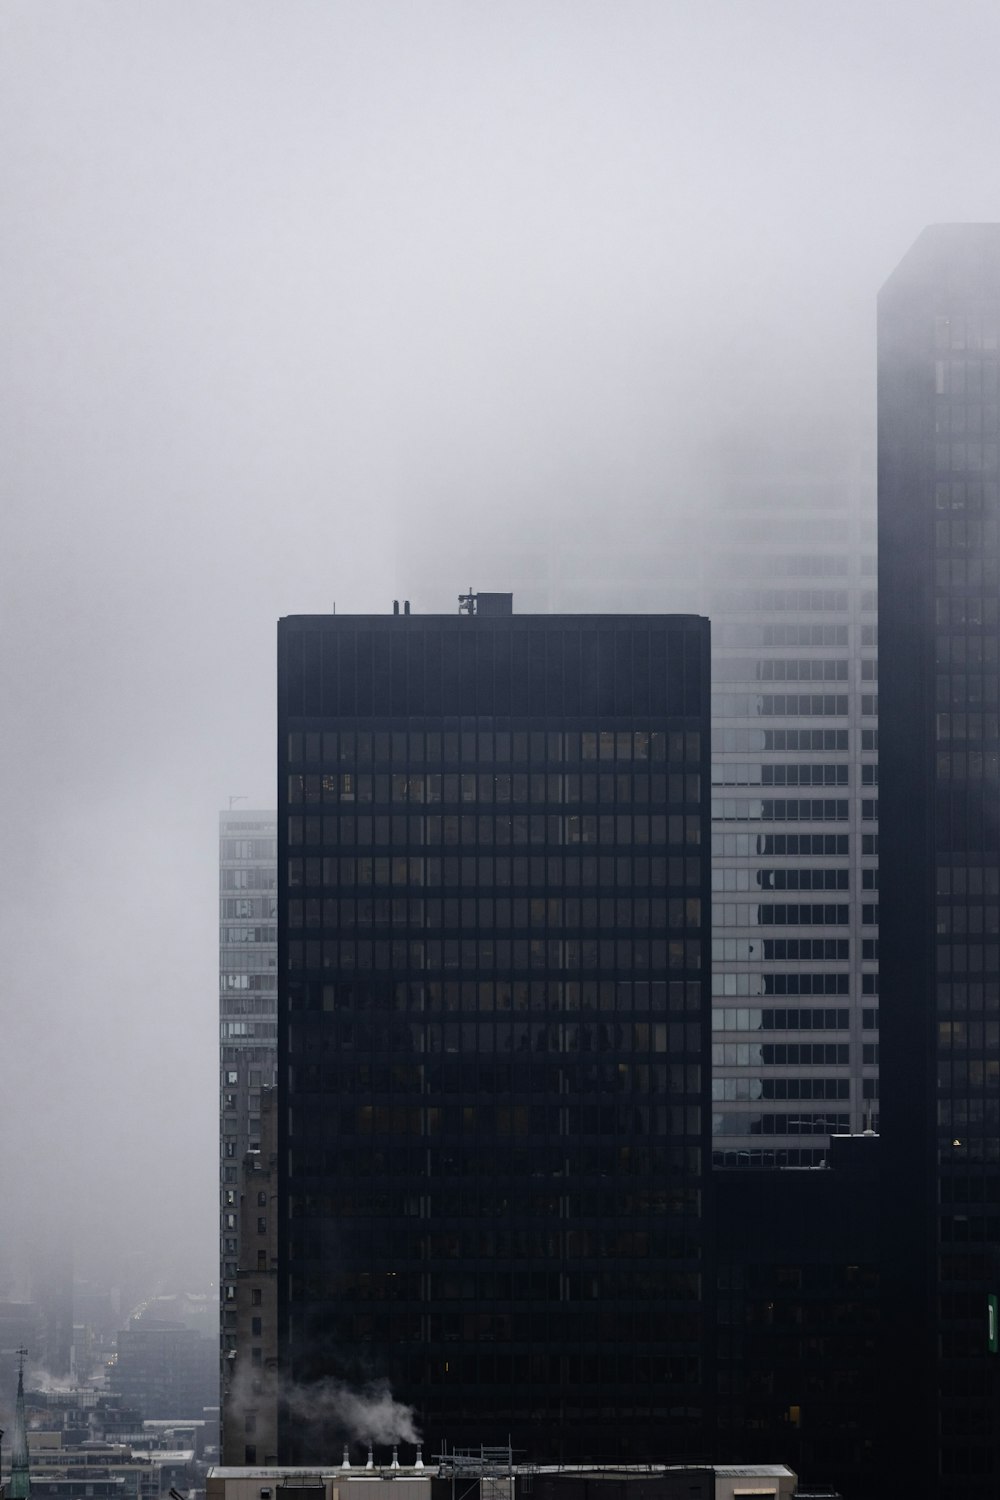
(369, 1415)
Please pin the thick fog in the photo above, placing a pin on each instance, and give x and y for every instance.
(314, 303)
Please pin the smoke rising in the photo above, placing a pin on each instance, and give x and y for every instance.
(369, 1415)
(366, 1414)
(39, 1379)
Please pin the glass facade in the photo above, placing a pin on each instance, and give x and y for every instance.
(939, 503)
(794, 815)
(493, 1034)
(798, 1307)
(248, 1019)
(778, 548)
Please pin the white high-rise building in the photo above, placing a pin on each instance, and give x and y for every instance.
(792, 599)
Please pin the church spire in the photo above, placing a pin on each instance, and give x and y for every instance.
(20, 1480)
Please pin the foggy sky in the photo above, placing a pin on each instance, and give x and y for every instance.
(283, 284)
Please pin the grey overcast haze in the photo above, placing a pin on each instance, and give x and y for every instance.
(295, 295)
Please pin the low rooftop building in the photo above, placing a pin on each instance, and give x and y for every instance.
(395, 1481)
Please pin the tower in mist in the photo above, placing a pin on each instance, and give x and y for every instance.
(493, 1027)
(777, 546)
(792, 597)
(939, 570)
(248, 946)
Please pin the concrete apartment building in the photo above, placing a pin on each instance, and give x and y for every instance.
(248, 981)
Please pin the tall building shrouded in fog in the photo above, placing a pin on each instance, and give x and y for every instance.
(792, 598)
(777, 546)
(939, 579)
(493, 1025)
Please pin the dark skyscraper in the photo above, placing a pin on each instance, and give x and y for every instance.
(939, 437)
(494, 1025)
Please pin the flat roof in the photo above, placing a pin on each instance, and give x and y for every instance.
(382, 1471)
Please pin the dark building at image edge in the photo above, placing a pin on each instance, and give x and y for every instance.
(939, 632)
(494, 1026)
